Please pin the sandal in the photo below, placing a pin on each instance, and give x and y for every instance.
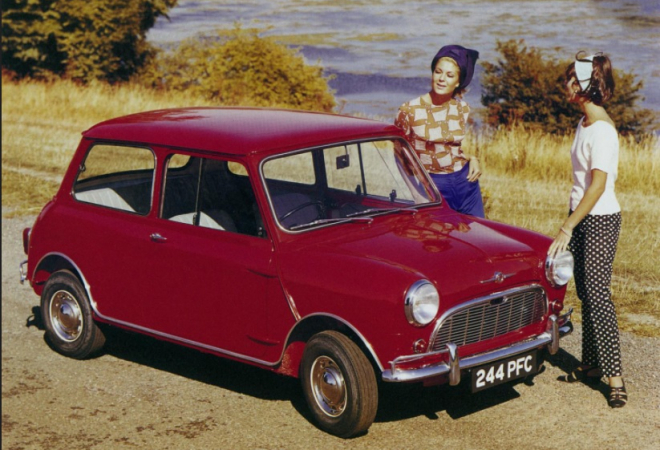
(618, 397)
(586, 374)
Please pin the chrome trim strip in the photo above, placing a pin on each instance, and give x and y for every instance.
(22, 272)
(456, 364)
(487, 298)
(364, 340)
(238, 356)
(86, 285)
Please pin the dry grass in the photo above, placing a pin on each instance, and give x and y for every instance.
(41, 123)
(526, 176)
(527, 179)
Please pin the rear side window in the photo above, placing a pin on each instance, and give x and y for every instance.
(117, 177)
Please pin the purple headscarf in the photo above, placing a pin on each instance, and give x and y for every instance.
(464, 57)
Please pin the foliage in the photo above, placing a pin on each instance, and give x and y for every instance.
(525, 87)
(78, 39)
(240, 68)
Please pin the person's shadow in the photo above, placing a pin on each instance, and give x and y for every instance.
(568, 363)
(35, 319)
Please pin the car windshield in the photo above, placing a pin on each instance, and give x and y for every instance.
(337, 184)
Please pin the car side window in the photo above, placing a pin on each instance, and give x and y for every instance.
(117, 177)
(210, 193)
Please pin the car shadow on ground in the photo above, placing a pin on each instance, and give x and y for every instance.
(396, 401)
(190, 363)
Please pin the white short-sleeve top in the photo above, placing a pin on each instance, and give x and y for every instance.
(595, 147)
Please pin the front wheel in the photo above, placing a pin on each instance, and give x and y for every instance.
(339, 384)
(67, 316)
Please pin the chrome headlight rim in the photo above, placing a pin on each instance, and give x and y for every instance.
(421, 303)
(559, 269)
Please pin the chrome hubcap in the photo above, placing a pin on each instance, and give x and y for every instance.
(66, 316)
(328, 386)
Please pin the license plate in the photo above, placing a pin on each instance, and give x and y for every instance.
(502, 371)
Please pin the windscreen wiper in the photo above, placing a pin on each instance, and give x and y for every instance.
(334, 220)
(382, 211)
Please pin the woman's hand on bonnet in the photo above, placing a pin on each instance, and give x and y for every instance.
(475, 169)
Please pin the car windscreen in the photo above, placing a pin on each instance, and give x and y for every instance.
(340, 182)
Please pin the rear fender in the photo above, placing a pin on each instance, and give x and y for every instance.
(51, 263)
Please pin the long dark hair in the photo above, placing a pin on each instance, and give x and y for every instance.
(601, 86)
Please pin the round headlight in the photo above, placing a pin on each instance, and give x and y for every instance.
(421, 303)
(559, 270)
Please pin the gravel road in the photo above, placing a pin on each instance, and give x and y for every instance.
(142, 393)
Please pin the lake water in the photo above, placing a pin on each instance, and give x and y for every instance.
(380, 50)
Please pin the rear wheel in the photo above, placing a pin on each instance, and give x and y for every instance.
(339, 384)
(67, 316)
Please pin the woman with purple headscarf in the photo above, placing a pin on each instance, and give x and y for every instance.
(435, 125)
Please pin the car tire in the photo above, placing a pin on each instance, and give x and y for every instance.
(67, 317)
(339, 384)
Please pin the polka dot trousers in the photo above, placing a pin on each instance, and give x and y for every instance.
(593, 246)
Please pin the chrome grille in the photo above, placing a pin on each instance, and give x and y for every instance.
(491, 317)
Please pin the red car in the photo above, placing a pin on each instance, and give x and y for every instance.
(311, 245)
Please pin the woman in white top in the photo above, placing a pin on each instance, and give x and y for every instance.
(591, 230)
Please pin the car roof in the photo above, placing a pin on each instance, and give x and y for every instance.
(237, 131)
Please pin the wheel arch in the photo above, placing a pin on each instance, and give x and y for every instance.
(54, 262)
(313, 324)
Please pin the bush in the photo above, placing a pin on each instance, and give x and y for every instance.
(524, 87)
(78, 39)
(240, 68)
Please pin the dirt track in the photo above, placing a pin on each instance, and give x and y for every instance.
(142, 393)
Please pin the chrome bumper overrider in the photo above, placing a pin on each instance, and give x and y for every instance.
(453, 365)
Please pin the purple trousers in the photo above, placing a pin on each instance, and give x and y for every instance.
(460, 194)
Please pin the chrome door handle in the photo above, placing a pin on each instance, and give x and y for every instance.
(158, 238)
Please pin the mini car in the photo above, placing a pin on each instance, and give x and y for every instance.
(312, 245)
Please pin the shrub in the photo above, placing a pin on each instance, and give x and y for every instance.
(240, 68)
(78, 39)
(524, 87)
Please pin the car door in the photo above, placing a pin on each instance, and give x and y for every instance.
(211, 271)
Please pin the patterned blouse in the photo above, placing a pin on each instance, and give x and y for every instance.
(436, 132)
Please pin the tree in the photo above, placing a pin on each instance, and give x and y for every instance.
(240, 68)
(78, 39)
(525, 87)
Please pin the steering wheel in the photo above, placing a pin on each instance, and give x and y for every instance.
(319, 205)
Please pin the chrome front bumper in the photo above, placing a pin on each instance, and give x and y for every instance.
(454, 365)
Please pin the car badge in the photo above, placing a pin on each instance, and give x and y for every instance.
(498, 278)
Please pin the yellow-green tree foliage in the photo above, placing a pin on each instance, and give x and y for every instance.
(240, 68)
(525, 87)
(78, 39)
